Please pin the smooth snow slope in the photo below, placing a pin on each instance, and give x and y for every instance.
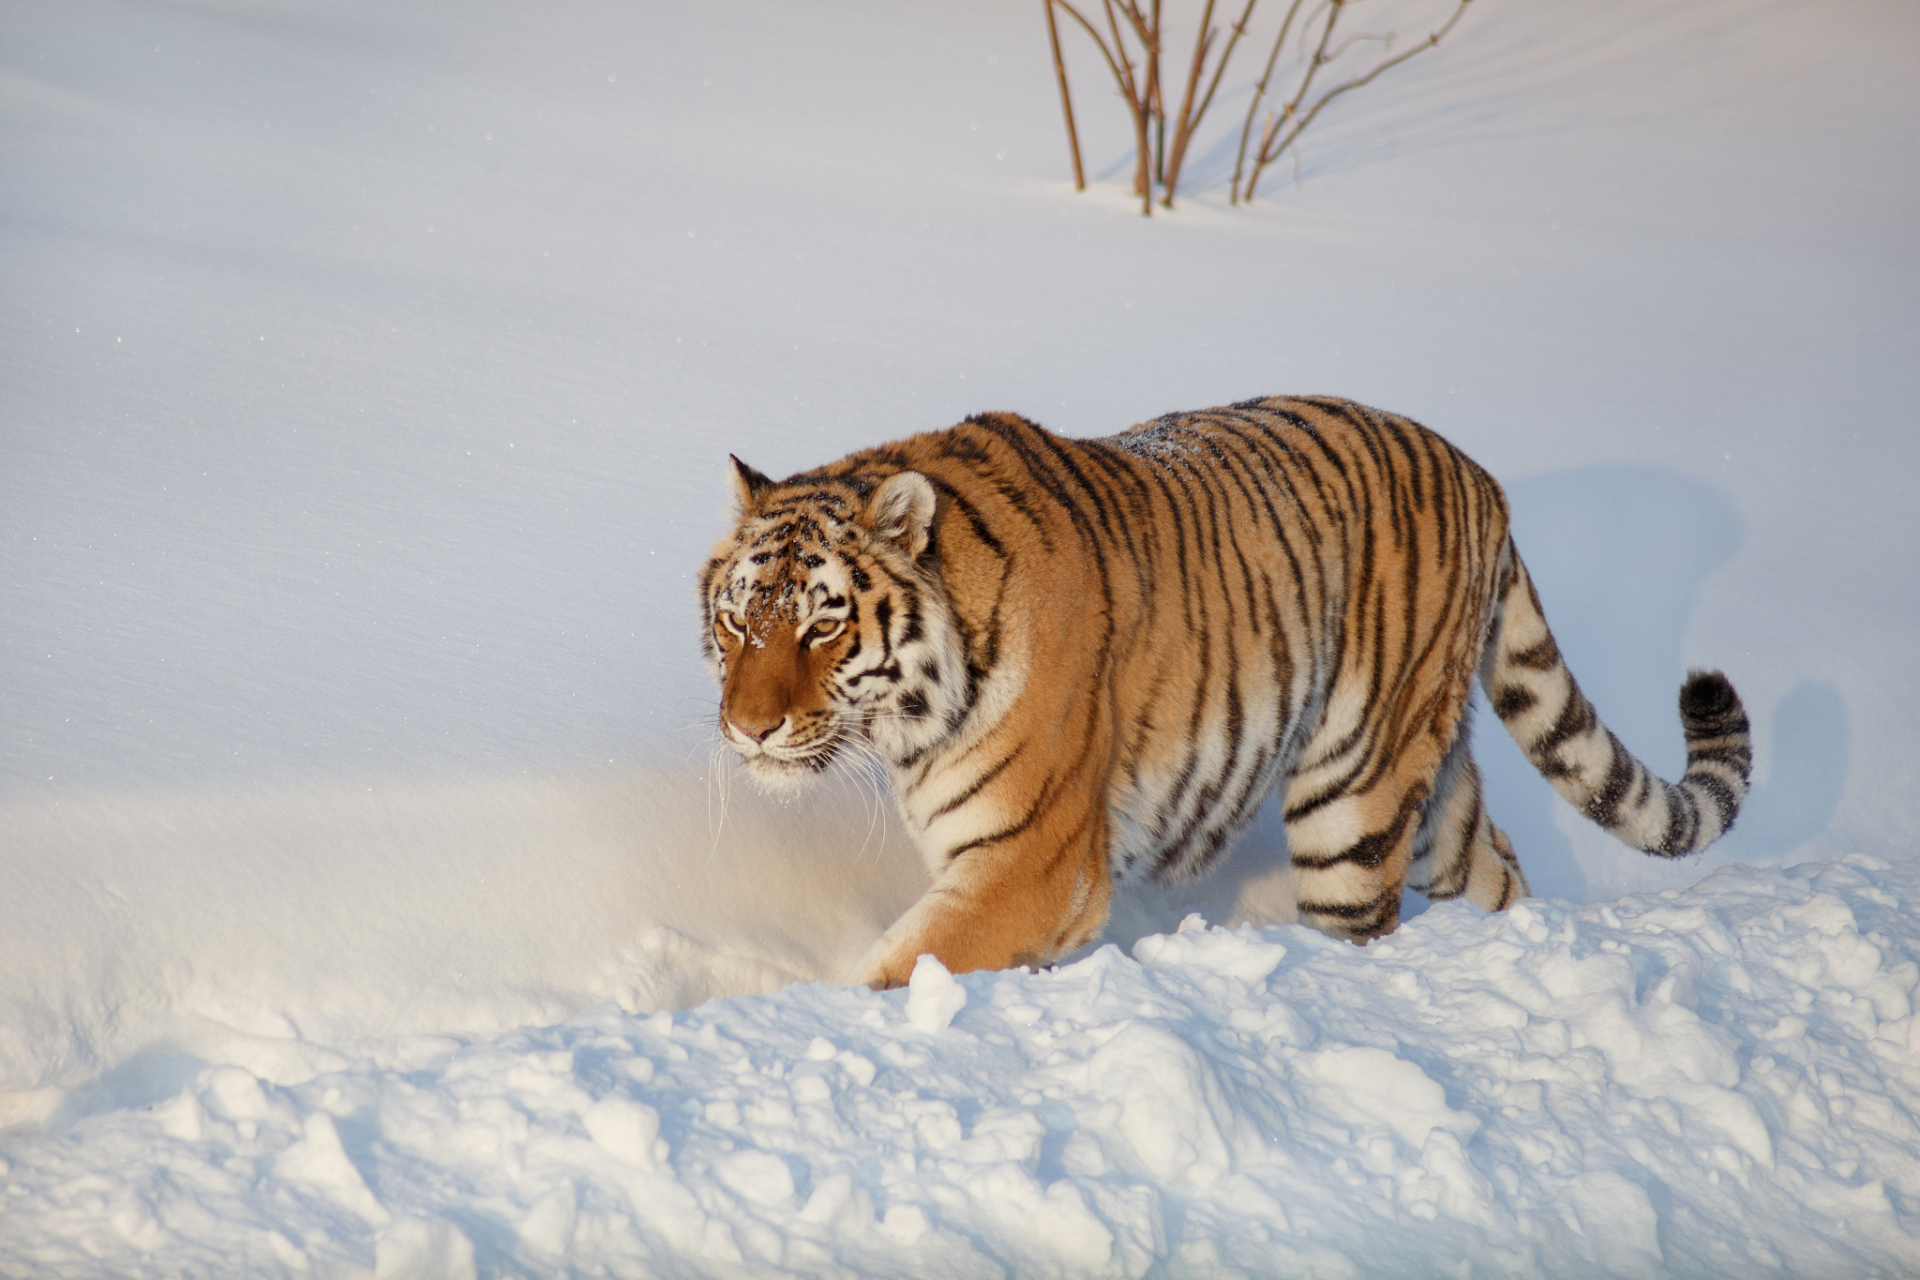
(367, 373)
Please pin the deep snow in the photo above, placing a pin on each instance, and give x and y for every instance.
(369, 372)
(1716, 1081)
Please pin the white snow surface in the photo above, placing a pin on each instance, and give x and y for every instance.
(1721, 1080)
(367, 375)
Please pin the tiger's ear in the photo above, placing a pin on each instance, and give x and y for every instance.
(748, 485)
(901, 510)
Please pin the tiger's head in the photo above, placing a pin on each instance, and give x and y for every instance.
(826, 623)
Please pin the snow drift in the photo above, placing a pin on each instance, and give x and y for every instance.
(1717, 1081)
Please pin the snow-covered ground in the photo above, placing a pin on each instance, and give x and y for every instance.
(367, 373)
(1720, 1081)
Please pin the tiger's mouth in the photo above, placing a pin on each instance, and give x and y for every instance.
(789, 765)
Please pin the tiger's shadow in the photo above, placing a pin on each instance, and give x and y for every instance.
(1620, 556)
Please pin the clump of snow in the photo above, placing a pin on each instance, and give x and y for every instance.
(1610, 1089)
(933, 995)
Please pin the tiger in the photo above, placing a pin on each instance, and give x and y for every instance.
(1087, 662)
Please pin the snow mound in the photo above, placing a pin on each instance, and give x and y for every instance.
(1721, 1080)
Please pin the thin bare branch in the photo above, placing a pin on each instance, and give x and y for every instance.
(1154, 103)
(1142, 90)
(1183, 125)
(1239, 29)
(1190, 119)
(1263, 156)
(1136, 103)
(1259, 94)
(1066, 98)
(1122, 68)
(1433, 38)
(1360, 37)
(1098, 40)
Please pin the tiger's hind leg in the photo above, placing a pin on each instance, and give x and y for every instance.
(1458, 852)
(1351, 832)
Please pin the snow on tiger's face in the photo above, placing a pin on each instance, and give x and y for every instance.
(826, 624)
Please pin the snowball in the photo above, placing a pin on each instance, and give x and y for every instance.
(934, 996)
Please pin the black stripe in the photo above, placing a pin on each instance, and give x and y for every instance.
(1576, 717)
(1370, 850)
(978, 783)
(1006, 833)
(1512, 700)
(1543, 656)
(1604, 805)
(1352, 910)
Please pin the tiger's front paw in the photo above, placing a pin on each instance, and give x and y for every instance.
(882, 968)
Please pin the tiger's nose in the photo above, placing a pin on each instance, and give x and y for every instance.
(755, 730)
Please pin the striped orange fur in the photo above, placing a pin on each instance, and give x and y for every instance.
(1083, 660)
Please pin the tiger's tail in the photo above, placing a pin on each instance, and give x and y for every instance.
(1538, 700)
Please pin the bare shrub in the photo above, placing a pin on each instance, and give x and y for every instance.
(1131, 42)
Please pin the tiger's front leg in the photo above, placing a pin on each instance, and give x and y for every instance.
(1025, 898)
